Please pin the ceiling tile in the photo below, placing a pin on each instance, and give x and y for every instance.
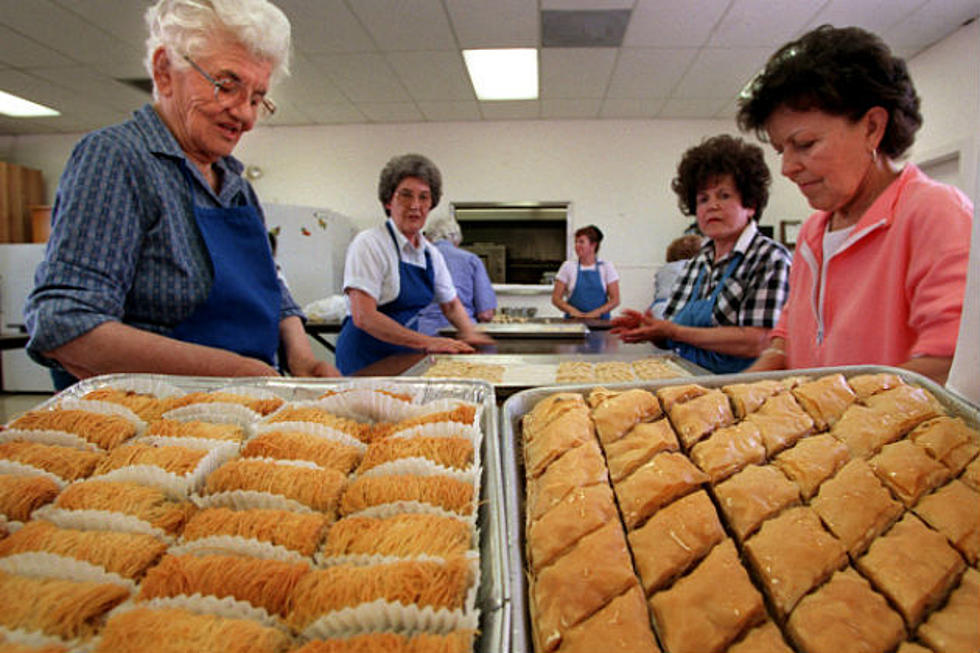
(873, 15)
(391, 111)
(520, 110)
(649, 73)
(577, 108)
(432, 75)
(334, 113)
(631, 108)
(363, 77)
(123, 20)
(21, 52)
(576, 72)
(405, 24)
(111, 93)
(753, 23)
(572, 5)
(325, 26)
(497, 24)
(929, 24)
(672, 24)
(721, 72)
(308, 83)
(450, 111)
(690, 108)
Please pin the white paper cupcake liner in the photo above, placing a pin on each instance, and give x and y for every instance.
(240, 546)
(104, 408)
(37, 639)
(251, 391)
(189, 442)
(221, 412)
(47, 436)
(368, 560)
(314, 429)
(246, 499)
(441, 430)
(447, 404)
(411, 507)
(15, 468)
(417, 466)
(145, 385)
(369, 404)
(385, 616)
(172, 484)
(226, 606)
(41, 564)
(100, 520)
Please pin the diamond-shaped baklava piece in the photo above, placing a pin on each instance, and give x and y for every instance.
(667, 476)
(676, 394)
(812, 461)
(621, 411)
(956, 627)
(855, 506)
(728, 450)
(644, 441)
(825, 399)
(954, 511)
(710, 607)
(754, 495)
(747, 397)
(865, 385)
(908, 471)
(971, 474)
(845, 615)
(949, 440)
(698, 417)
(581, 511)
(549, 409)
(792, 554)
(887, 417)
(623, 626)
(566, 431)
(674, 539)
(580, 466)
(781, 422)
(912, 565)
(762, 639)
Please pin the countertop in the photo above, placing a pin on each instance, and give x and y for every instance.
(522, 289)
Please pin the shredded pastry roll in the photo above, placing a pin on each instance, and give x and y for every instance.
(464, 414)
(146, 406)
(22, 495)
(317, 488)
(65, 462)
(105, 431)
(173, 459)
(127, 554)
(442, 491)
(319, 416)
(300, 532)
(292, 445)
(171, 630)
(263, 583)
(458, 641)
(422, 583)
(402, 535)
(62, 608)
(146, 503)
(11, 647)
(452, 452)
(259, 405)
(173, 428)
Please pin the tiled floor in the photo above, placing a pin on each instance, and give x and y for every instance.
(13, 404)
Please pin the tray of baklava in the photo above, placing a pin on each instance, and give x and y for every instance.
(151, 513)
(823, 510)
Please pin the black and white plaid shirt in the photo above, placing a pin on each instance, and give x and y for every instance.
(754, 293)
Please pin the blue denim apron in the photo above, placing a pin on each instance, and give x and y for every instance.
(698, 313)
(357, 348)
(589, 293)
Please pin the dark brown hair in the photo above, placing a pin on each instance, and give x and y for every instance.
(592, 232)
(717, 157)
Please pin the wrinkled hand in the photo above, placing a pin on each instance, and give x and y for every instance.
(651, 329)
(448, 346)
(476, 337)
(628, 319)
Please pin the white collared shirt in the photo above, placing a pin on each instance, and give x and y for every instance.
(372, 264)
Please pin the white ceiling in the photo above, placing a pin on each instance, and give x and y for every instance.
(379, 61)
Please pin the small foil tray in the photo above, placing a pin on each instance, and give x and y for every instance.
(527, 330)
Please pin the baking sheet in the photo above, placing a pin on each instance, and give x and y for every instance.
(495, 595)
(520, 403)
(527, 330)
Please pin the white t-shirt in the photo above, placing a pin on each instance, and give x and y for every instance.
(372, 264)
(568, 273)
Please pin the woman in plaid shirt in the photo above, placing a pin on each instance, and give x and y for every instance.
(729, 296)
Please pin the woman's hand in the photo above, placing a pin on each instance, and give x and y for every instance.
(314, 367)
(650, 329)
(447, 346)
(628, 319)
(476, 337)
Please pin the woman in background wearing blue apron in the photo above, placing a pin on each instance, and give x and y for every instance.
(729, 296)
(392, 272)
(158, 259)
(586, 287)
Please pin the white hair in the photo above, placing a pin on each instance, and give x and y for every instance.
(444, 227)
(190, 27)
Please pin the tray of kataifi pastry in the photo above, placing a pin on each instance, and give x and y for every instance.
(516, 371)
(833, 509)
(527, 329)
(151, 512)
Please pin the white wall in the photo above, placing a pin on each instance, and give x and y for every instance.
(615, 173)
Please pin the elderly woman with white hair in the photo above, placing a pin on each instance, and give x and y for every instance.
(158, 259)
(473, 286)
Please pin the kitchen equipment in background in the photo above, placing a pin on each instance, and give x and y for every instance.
(17, 265)
(494, 258)
(40, 222)
(519, 311)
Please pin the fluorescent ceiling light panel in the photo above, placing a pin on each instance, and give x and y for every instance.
(507, 74)
(11, 105)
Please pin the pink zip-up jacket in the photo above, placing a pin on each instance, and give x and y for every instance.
(893, 291)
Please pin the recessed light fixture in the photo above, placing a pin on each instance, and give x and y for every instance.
(504, 74)
(18, 107)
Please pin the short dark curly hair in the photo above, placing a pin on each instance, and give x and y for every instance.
(408, 165)
(592, 232)
(716, 157)
(842, 72)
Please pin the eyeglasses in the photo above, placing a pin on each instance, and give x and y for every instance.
(229, 91)
(406, 197)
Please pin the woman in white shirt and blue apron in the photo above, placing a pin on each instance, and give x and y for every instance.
(392, 272)
(730, 294)
(586, 287)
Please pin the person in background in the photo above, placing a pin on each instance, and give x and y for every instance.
(729, 295)
(880, 269)
(469, 275)
(587, 287)
(392, 272)
(158, 259)
(678, 253)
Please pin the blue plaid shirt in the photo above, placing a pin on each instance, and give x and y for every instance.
(124, 243)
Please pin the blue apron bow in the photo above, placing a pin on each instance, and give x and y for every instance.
(357, 348)
(589, 293)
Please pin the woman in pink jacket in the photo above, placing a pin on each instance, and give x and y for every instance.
(880, 269)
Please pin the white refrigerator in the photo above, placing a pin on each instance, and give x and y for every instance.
(17, 265)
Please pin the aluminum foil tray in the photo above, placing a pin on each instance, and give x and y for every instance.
(495, 594)
(517, 405)
(528, 330)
